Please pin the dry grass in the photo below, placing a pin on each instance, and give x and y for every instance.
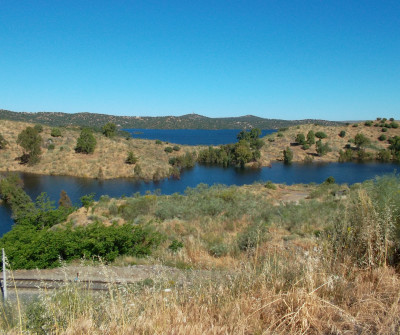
(107, 161)
(273, 150)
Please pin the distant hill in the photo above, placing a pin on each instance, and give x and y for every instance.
(189, 121)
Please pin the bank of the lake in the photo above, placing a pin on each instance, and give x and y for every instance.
(297, 173)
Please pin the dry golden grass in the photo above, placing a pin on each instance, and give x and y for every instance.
(273, 150)
(107, 161)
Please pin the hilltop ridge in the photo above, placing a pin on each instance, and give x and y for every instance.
(187, 121)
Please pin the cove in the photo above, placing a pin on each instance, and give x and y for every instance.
(349, 173)
(192, 136)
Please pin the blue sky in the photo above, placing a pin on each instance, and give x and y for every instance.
(336, 60)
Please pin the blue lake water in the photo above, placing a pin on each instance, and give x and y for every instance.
(278, 173)
(191, 136)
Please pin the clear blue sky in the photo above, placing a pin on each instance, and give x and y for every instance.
(336, 60)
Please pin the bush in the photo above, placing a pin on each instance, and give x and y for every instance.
(30, 140)
(355, 125)
(38, 128)
(176, 148)
(3, 142)
(51, 146)
(109, 129)
(218, 249)
(320, 135)
(270, 185)
(342, 134)
(394, 125)
(168, 150)
(330, 180)
(55, 132)
(310, 137)
(158, 142)
(279, 134)
(253, 235)
(368, 123)
(131, 158)
(287, 155)
(300, 139)
(345, 156)
(382, 138)
(384, 155)
(175, 246)
(384, 130)
(305, 146)
(86, 142)
(322, 149)
(360, 140)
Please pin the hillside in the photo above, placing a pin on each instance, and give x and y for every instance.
(189, 121)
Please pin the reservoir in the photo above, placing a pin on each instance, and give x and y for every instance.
(349, 173)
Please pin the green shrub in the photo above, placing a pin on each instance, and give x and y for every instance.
(270, 185)
(131, 158)
(175, 246)
(382, 138)
(30, 140)
(176, 148)
(252, 236)
(109, 129)
(360, 140)
(287, 155)
(342, 134)
(300, 139)
(158, 142)
(38, 128)
(279, 134)
(394, 125)
(384, 155)
(168, 150)
(330, 180)
(218, 249)
(56, 132)
(320, 135)
(355, 125)
(384, 130)
(310, 137)
(51, 146)
(305, 146)
(322, 149)
(345, 156)
(3, 142)
(368, 123)
(86, 142)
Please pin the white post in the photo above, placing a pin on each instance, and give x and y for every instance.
(4, 276)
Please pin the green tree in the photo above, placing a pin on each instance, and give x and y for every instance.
(242, 153)
(322, 149)
(38, 128)
(86, 142)
(360, 140)
(30, 140)
(109, 129)
(320, 135)
(300, 139)
(55, 132)
(342, 133)
(310, 137)
(87, 200)
(287, 155)
(3, 142)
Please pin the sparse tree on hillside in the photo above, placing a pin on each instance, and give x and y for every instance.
(30, 140)
(86, 142)
(109, 129)
(287, 155)
(56, 132)
(310, 137)
(360, 140)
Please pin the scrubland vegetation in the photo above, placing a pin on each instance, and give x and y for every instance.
(255, 262)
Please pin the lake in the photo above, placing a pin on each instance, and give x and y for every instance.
(191, 136)
(278, 173)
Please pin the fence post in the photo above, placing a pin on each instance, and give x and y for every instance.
(4, 275)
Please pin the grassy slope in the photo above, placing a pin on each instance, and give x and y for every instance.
(290, 282)
(109, 155)
(273, 150)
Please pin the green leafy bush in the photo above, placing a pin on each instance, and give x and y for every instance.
(320, 135)
(168, 150)
(176, 148)
(287, 155)
(342, 134)
(56, 132)
(382, 138)
(86, 142)
(131, 158)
